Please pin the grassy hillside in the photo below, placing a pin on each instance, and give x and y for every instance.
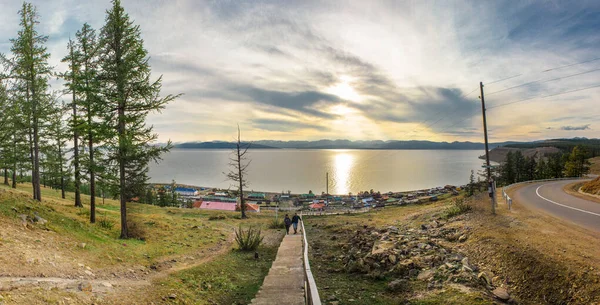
(174, 246)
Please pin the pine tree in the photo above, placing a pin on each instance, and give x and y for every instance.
(31, 70)
(91, 106)
(71, 78)
(577, 164)
(55, 154)
(130, 96)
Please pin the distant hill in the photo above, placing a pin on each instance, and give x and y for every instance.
(218, 145)
(342, 144)
(565, 145)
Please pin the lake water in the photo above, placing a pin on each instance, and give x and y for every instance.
(302, 170)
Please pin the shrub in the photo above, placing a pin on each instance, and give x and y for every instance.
(217, 217)
(83, 212)
(136, 230)
(249, 239)
(458, 206)
(106, 224)
(275, 224)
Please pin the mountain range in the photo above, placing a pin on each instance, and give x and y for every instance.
(343, 144)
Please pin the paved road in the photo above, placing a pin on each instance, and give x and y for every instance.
(550, 197)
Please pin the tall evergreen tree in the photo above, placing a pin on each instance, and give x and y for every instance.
(130, 96)
(32, 71)
(91, 106)
(71, 78)
(577, 164)
(55, 152)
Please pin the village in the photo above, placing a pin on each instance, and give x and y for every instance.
(185, 196)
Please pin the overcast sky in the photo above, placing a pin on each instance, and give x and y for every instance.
(307, 70)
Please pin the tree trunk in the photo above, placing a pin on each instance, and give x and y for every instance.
(92, 171)
(122, 172)
(62, 174)
(92, 190)
(5, 176)
(242, 201)
(76, 152)
(14, 169)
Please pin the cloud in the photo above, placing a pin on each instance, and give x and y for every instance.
(582, 127)
(284, 125)
(273, 66)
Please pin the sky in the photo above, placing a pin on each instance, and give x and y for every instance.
(358, 70)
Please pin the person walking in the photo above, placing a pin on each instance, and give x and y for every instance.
(288, 222)
(295, 220)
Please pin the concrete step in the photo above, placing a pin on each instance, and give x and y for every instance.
(284, 284)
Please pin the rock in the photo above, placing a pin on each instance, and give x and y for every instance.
(39, 219)
(483, 277)
(462, 238)
(397, 285)
(80, 265)
(434, 224)
(334, 303)
(413, 272)
(425, 275)
(82, 245)
(107, 285)
(88, 272)
(393, 259)
(496, 280)
(501, 294)
(85, 286)
(393, 229)
(381, 247)
(467, 265)
(172, 296)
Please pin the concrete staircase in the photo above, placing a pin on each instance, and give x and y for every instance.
(285, 282)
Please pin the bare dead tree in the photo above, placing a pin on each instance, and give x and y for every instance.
(239, 163)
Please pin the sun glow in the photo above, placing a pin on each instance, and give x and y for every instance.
(344, 90)
(343, 164)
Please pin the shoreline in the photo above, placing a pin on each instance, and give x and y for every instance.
(267, 193)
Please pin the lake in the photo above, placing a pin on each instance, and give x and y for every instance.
(276, 170)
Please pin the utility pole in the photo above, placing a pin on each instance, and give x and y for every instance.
(327, 189)
(487, 153)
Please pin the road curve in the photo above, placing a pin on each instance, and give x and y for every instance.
(550, 198)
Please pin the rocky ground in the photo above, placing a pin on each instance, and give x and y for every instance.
(417, 255)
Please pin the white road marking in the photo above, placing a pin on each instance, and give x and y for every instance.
(537, 191)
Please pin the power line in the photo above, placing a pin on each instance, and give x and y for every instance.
(541, 81)
(501, 80)
(546, 70)
(575, 64)
(550, 95)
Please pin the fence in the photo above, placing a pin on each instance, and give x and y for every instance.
(507, 198)
(311, 291)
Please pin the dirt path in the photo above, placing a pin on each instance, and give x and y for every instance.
(109, 289)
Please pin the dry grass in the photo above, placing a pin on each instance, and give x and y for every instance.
(595, 167)
(592, 187)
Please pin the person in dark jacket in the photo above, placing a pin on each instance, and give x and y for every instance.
(295, 220)
(288, 222)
